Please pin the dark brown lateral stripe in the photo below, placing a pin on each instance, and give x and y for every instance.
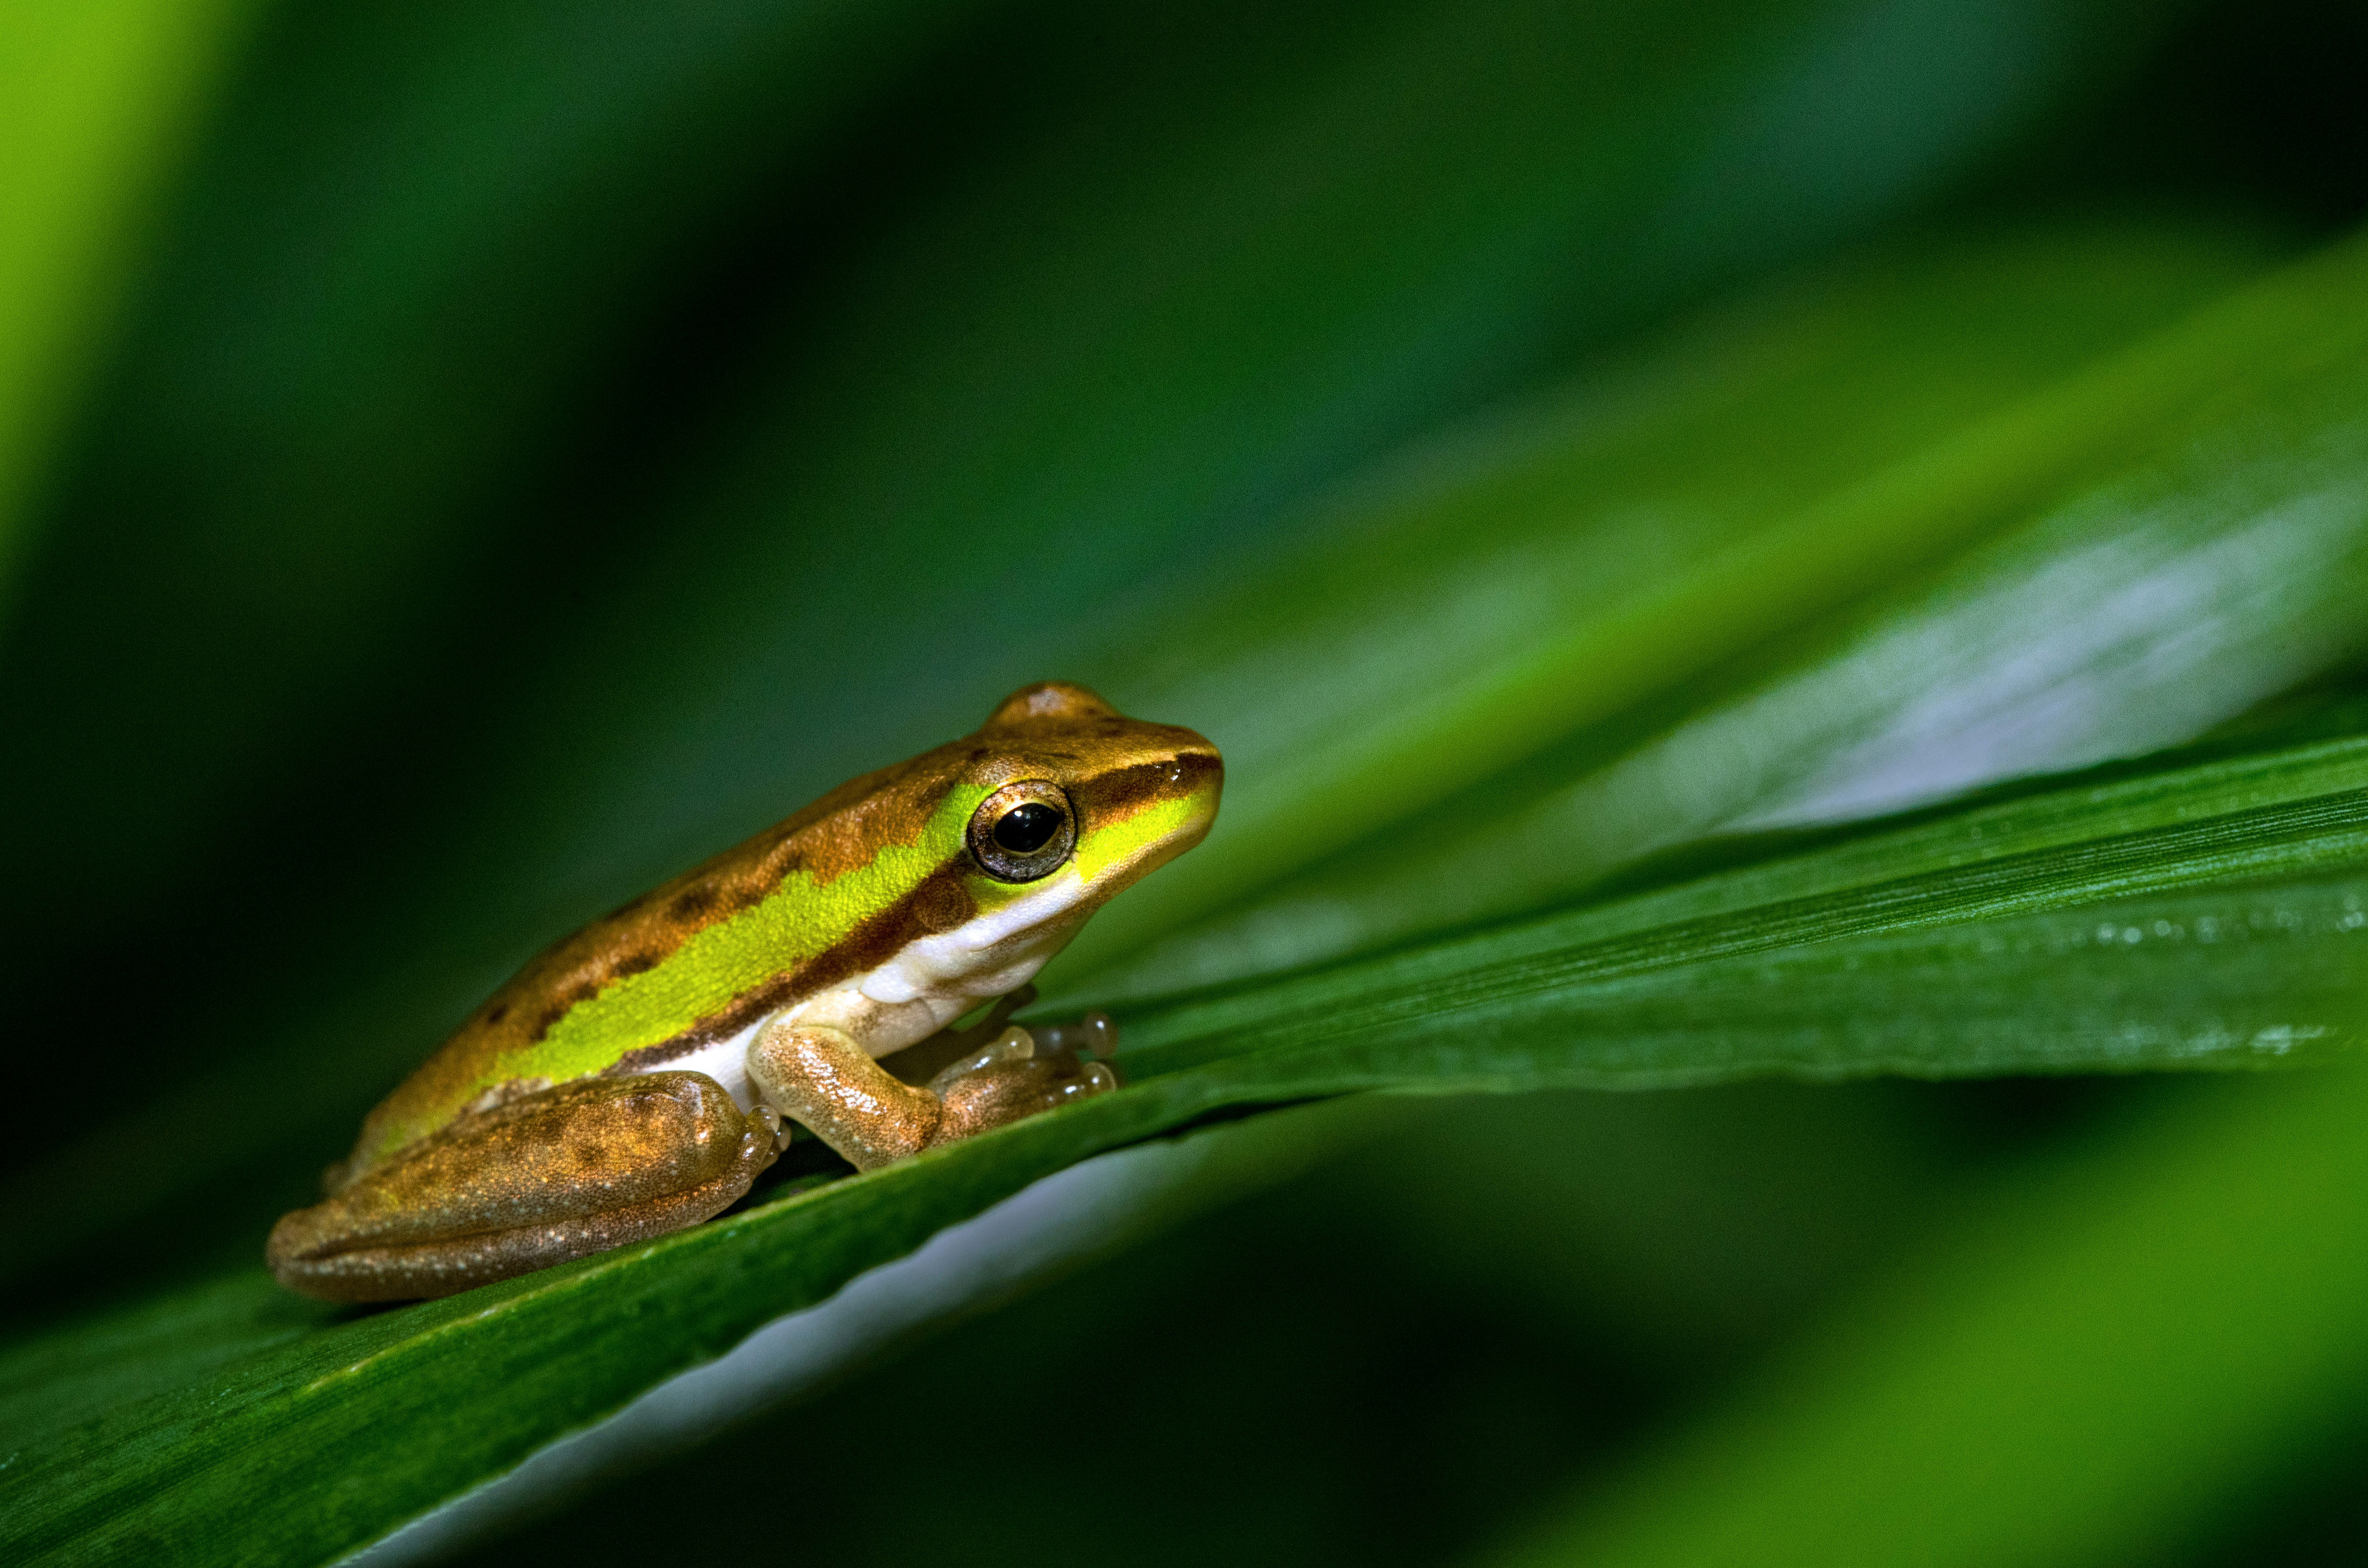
(1124, 790)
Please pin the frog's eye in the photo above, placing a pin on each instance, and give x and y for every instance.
(1023, 831)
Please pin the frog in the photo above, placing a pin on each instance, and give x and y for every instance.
(637, 1076)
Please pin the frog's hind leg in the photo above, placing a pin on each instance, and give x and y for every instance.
(580, 1168)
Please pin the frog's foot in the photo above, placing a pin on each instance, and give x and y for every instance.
(1023, 1071)
(588, 1165)
(822, 1078)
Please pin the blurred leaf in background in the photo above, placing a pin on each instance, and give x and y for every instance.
(1789, 537)
(1195, 266)
(97, 103)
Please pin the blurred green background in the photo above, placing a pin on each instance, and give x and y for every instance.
(460, 462)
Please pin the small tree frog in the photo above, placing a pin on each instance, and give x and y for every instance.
(635, 1078)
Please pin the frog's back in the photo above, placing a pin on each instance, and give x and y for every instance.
(695, 959)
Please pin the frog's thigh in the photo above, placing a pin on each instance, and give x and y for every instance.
(587, 1165)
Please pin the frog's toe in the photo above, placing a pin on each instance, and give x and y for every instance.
(1013, 1047)
(1095, 1035)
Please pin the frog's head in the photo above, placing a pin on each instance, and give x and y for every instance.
(1082, 797)
(1052, 808)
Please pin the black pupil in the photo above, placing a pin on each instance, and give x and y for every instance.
(1026, 829)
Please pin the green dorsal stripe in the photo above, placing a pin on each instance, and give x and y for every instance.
(796, 922)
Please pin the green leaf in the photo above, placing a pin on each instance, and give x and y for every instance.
(2050, 933)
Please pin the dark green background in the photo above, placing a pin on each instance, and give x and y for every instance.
(544, 441)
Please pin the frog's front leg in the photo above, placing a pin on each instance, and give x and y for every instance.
(587, 1165)
(821, 1077)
